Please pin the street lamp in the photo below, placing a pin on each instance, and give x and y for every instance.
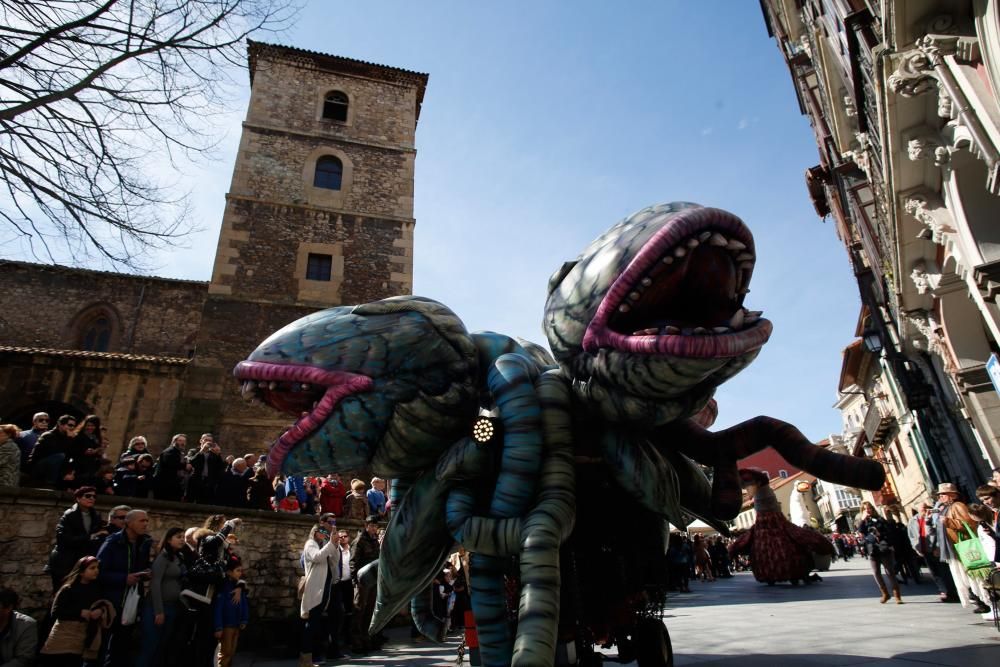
(871, 340)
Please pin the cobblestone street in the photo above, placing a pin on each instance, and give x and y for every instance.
(741, 623)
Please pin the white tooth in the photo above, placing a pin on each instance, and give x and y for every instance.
(673, 331)
(680, 252)
(668, 260)
(315, 403)
(623, 308)
(704, 236)
(744, 256)
(755, 313)
(634, 296)
(753, 316)
(745, 290)
(305, 387)
(720, 330)
(693, 243)
(735, 245)
(700, 331)
(272, 386)
(646, 332)
(718, 241)
(746, 265)
(646, 282)
(736, 321)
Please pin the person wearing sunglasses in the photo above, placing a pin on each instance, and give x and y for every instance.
(79, 533)
(46, 459)
(26, 439)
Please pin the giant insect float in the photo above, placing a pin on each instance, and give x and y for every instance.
(596, 447)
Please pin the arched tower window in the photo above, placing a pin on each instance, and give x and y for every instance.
(335, 106)
(96, 328)
(96, 334)
(329, 172)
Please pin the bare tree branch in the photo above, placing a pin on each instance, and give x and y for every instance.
(96, 93)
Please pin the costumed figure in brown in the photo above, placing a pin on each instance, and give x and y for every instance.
(779, 550)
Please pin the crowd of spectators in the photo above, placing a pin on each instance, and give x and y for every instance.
(193, 600)
(73, 454)
(897, 552)
(121, 598)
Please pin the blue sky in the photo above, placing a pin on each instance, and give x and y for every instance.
(546, 122)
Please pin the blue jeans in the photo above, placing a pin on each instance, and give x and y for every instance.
(155, 637)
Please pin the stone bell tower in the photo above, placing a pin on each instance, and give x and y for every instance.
(319, 214)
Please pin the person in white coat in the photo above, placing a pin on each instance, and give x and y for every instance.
(316, 589)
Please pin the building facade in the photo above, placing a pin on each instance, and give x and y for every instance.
(319, 213)
(902, 98)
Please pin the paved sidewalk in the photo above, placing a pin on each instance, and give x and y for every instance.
(740, 623)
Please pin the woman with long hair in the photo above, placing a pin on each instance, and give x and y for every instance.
(160, 614)
(779, 550)
(80, 615)
(317, 588)
(87, 450)
(875, 533)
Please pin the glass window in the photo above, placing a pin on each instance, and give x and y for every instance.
(97, 336)
(329, 172)
(319, 267)
(335, 106)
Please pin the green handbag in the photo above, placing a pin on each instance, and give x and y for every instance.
(971, 552)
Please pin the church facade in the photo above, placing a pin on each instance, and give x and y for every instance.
(319, 213)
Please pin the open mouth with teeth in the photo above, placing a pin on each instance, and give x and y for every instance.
(308, 393)
(682, 294)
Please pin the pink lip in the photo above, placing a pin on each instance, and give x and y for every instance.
(685, 225)
(339, 384)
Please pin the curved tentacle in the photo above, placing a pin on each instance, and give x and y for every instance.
(547, 526)
(427, 623)
(723, 449)
(414, 549)
(488, 596)
(511, 382)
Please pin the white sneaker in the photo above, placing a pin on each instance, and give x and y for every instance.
(988, 616)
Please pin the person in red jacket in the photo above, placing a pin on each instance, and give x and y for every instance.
(332, 492)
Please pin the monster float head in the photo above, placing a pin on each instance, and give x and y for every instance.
(649, 319)
(388, 384)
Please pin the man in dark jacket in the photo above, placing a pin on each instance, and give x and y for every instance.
(124, 559)
(79, 533)
(233, 485)
(364, 552)
(207, 467)
(46, 459)
(168, 474)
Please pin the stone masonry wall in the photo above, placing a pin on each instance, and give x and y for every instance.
(266, 242)
(41, 306)
(269, 545)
